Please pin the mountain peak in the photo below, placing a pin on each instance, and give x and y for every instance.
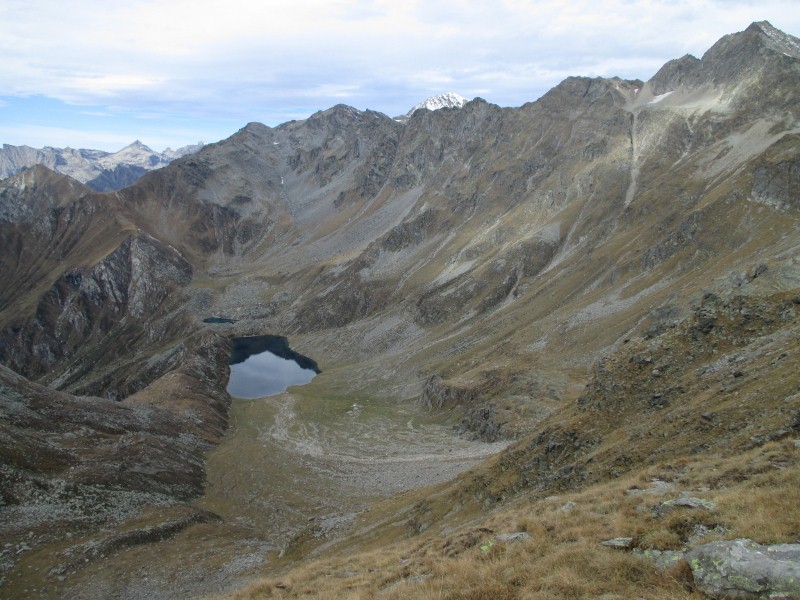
(137, 145)
(737, 49)
(731, 58)
(775, 38)
(446, 100)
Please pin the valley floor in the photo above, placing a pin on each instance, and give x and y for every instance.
(291, 465)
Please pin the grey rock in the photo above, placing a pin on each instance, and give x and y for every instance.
(663, 559)
(513, 537)
(620, 543)
(688, 502)
(700, 532)
(656, 486)
(744, 569)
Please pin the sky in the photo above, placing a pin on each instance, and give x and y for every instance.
(100, 74)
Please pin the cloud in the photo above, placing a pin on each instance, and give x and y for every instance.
(40, 136)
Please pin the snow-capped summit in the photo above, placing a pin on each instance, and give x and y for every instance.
(446, 100)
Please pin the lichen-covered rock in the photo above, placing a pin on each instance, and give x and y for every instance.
(745, 569)
(685, 502)
(663, 559)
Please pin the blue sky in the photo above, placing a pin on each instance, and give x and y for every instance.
(99, 74)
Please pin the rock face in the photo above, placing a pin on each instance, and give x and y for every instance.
(744, 569)
(80, 319)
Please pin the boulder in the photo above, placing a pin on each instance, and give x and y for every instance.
(744, 569)
(684, 502)
(513, 537)
(620, 543)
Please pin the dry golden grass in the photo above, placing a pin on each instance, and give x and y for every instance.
(756, 495)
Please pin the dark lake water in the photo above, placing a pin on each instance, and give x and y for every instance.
(266, 375)
(257, 370)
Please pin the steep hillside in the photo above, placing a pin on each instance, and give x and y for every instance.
(608, 275)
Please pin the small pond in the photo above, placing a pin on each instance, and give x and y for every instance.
(264, 365)
(218, 320)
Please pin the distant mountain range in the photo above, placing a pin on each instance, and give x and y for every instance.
(101, 171)
(105, 171)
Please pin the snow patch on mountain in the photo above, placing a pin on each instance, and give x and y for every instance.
(660, 97)
(446, 100)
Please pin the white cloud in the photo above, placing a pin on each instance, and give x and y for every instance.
(40, 136)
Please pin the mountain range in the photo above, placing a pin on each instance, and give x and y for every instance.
(107, 171)
(99, 170)
(551, 322)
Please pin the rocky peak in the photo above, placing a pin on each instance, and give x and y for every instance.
(675, 73)
(775, 39)
(741, 54)
(341, 115)
(581, 91)
(135, 153)
(760, 50)
(171, 154)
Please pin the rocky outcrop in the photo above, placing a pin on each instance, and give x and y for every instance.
(745, 569)
(438, 393)
(776, 183)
